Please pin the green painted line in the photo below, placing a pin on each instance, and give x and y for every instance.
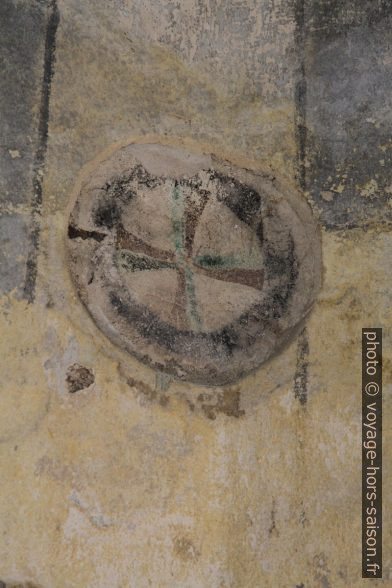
(192, 310)
(178, 214)
(211, 261)
(229, 262)
(178, 223)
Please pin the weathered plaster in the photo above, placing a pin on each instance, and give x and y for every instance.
(140, 481)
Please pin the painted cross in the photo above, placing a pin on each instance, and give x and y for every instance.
(136, 255)
(198, 268)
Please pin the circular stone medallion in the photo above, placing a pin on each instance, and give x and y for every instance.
(198, 268)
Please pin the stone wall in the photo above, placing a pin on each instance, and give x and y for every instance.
(114, 474)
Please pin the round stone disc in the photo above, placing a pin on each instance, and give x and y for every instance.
(198, 268)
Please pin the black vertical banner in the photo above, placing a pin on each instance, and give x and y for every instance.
(372, 453)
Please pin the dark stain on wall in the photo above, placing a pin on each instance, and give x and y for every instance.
(226, 401)
(78, 378)
(146, 393)
(17, 585)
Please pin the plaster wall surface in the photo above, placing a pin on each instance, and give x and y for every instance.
(133, 479)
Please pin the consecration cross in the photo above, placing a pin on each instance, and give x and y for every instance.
(136, 255)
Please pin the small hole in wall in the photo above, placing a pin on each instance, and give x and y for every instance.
(78, 378)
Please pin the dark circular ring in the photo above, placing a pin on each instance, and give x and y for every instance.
(278, 269)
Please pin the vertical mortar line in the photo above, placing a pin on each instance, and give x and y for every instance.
(300, 384)
(300, 98)
(39, 160)
(178, 215)
(300, 103)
